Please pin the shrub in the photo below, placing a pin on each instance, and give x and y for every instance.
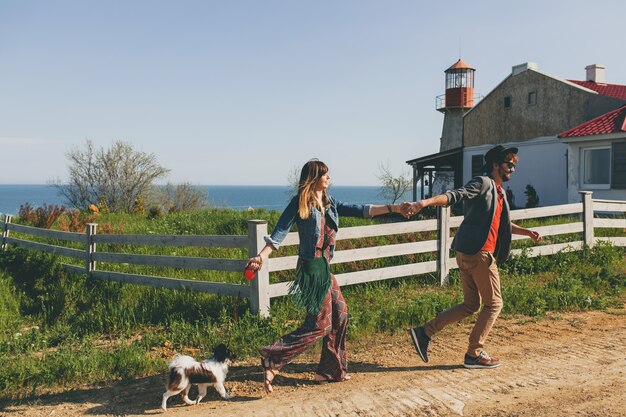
(531, 196)
(120, 173)
(180, 197)
(76, 220)
(43, 216)
(155, 212)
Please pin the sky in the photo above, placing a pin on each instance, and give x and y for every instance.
(242, 92)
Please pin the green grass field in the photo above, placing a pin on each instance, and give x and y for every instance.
(60, 330)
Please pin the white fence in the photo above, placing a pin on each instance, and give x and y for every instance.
(260, 290)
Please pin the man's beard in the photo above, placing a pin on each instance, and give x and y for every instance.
(504, 175)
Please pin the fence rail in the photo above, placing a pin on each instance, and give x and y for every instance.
(260, 291)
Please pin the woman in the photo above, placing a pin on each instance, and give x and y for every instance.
(315, 289)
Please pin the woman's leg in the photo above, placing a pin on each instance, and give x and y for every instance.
(283, 351)
(333, 362)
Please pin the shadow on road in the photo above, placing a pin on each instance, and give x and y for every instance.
(142, 396)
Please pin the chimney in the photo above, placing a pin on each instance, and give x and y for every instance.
(595, 73)
(518, 69)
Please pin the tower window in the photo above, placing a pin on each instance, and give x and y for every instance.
(532, 98)
(507, 102)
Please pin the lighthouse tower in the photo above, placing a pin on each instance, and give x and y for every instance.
(459, 98)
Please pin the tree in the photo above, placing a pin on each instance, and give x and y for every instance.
(532, 197)
(118, 175)
(293, 180)
(392, 188)
(179, 197)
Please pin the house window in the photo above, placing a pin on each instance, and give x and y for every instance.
(532, 98)
(477, 165)
(507, 102)
(596, 167)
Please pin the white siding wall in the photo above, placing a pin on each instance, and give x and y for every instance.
(542, 164)
(575, 171)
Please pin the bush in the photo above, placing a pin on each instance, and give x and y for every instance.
(180, 197)
(114, 177)
(532, 199)
(76, 220)
(43, 217)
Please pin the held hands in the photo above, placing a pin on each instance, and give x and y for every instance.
(405, 209)
(411, 209)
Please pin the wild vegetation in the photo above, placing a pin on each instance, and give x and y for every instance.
(59, 330)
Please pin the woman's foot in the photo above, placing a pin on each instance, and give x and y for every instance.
(321, 379)
(269, 378)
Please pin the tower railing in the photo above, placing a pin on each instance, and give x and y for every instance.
(440, 101)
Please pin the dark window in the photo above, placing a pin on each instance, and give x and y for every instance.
(507, 102)
(532, 98)
(619, 166)
(596, 166)
(477, 165)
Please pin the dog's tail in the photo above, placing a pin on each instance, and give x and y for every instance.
(182, 361)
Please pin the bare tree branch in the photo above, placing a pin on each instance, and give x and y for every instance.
(392, 188)
(120, 174)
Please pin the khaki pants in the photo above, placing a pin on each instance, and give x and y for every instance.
(480, 280)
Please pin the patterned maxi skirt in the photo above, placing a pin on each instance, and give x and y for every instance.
(329, 324)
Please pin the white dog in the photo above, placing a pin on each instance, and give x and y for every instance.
(185, 371)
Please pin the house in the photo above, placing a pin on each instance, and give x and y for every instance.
(530, 110)
(597, 156)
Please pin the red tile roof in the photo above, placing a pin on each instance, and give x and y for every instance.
(458, 65)
(611, 122)
(610, 90)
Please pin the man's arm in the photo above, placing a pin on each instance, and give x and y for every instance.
(470, 190)
(412, 209)
(535, 236)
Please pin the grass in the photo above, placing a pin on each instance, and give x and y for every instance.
(59, 330)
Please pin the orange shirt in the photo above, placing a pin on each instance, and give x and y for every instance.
(492, 238)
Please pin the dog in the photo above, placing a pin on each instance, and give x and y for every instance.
(185, 371)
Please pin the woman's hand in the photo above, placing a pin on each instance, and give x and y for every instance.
(405, 209)
(411, 209)
(255, 263)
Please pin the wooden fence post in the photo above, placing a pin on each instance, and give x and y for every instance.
(90, 232)
(5, 232)
(587, 217)
(260, 286)
(443, 236)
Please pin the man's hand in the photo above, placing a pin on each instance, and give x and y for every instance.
(535, 236)
(405, 209)
(411, 209)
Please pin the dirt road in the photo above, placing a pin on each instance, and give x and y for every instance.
(570, 364)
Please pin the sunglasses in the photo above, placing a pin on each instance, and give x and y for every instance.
(511, 165)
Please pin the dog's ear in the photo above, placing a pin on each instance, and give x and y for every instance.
(220, 352)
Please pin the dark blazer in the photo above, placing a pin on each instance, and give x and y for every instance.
(479, 198)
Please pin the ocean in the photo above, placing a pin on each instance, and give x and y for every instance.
(238, 197)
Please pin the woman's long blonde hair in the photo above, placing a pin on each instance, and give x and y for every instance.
(311, 173)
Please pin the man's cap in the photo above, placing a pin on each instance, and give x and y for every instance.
(496, 154)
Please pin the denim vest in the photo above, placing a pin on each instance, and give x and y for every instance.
(309, 230)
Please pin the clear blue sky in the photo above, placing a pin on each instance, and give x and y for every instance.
(240, 92)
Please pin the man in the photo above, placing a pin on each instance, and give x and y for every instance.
(482, 241)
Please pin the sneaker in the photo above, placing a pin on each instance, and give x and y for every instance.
(482, 361)
(420, 341)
